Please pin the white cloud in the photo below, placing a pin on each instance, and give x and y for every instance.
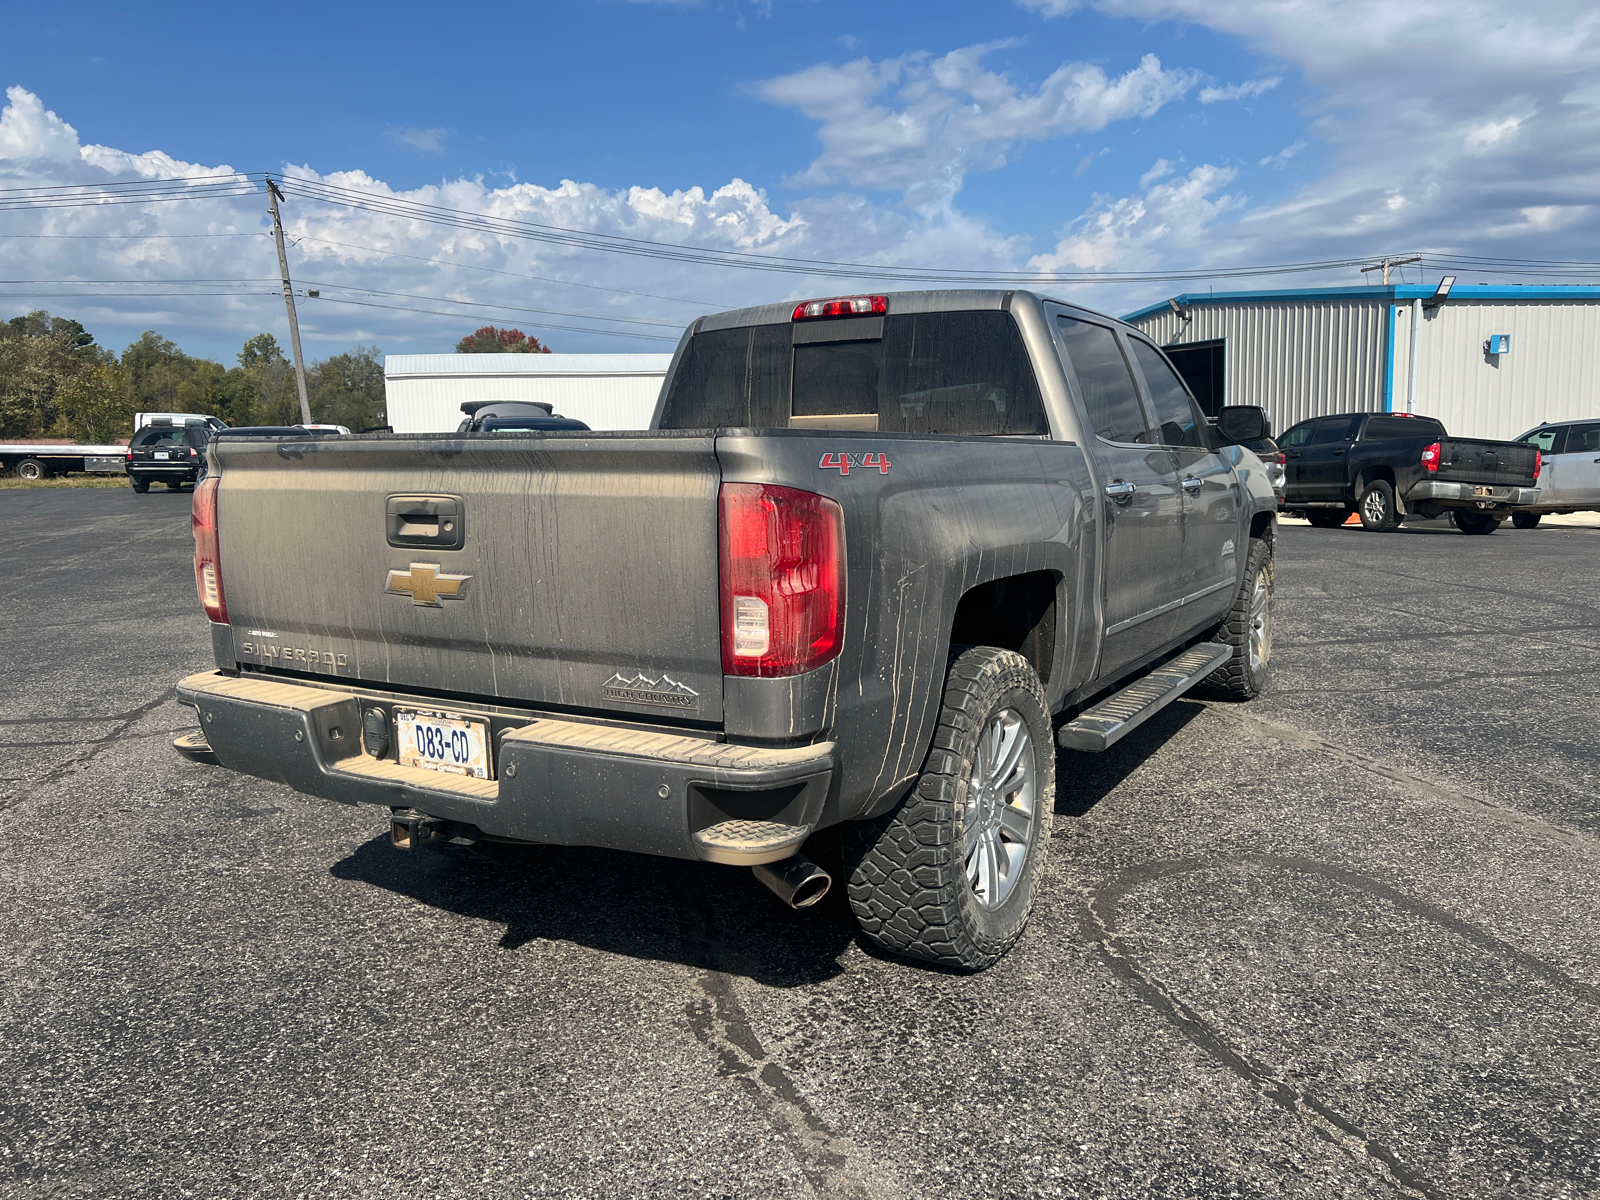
(333, 248)
(1239, 91)
(429, 141)
(919, 123)
(1492, 133)
(1140, 231)
(1052, 8)
(1284, 155)
(30, 131)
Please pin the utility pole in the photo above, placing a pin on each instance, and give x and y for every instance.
(1387, 263)
(273, 196)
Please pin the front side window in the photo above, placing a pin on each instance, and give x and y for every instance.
(1105, 382)
(1176, 421)
(1299, 435)
(1549, 439)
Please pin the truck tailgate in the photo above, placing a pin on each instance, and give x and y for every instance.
(585, 577)
(1471, 460)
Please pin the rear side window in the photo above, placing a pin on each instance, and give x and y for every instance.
(1583, 439)
(1176, 422)
(1382, 428)
(1104, 381)
(950, 373)
(1334, 429)
(1549, 439)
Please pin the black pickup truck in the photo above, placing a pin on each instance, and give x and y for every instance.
(1387, 466)
(875, 557)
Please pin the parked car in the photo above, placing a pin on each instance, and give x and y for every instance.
(1273, 458)
(1570, 478)
(164, 452)
(874, 559)
(1387, 466)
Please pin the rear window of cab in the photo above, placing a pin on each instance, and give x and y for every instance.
(951, 373)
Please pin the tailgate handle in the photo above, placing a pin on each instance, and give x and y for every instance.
(433, 522)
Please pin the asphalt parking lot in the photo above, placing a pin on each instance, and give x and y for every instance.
(1343, 941)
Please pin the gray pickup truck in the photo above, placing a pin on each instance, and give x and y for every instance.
(874, 559)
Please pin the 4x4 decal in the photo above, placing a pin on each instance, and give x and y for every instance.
(842, 462)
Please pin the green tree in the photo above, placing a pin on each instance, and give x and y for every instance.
(95, 405)
(41, 354)
(490, 340)
(347, 389)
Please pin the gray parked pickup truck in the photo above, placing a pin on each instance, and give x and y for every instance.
(875, 557)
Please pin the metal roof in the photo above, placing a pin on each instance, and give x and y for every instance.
(1394, 292)
(400, 366)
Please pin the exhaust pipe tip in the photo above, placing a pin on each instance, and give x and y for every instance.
(796, 880)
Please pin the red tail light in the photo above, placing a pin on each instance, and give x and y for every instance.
(1280, 459)
(1430, 457)
(130, 455)
(844, 306)
(207, 562)
(1538, 462)
(781, 555)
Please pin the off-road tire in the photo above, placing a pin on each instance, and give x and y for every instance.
(1379, 513)
(908, 884)
(1241, 678)
(139, 485)
(1327, 518)
(1525, 520)
(1471, 521)
(32, 468)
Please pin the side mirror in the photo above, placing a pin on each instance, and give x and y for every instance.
(1243, 423)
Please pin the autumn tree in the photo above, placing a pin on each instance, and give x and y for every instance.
(490, 340)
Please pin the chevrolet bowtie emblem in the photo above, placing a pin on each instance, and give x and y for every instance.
(425, 585)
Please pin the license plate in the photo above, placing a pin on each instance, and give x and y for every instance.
(162, 454)
(443, 742)
(1483, 491)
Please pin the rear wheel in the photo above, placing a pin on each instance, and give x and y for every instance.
(1327, 518)
(1525, 520)
(1248, 629)
(32, 468)
(1470, 521)
(1377, 507)
(949, 875)
(139, 485)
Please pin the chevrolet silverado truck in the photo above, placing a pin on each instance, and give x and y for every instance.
(875, 557)
(1387, 466)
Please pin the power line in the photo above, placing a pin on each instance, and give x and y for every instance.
(549, 312)
(652, 337)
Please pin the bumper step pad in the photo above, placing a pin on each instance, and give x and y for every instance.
(1107, 722)
(747, 843)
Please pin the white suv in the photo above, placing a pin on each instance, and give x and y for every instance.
(1570, 478)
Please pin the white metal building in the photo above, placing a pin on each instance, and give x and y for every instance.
(1489, 361)
(425, 392)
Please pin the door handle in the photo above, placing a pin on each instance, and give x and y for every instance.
(425, 522)
(1294, 454)
(1121, 491)
(1191, 484)
(1336, 453)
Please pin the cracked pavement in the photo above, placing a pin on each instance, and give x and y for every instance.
(1340, 942)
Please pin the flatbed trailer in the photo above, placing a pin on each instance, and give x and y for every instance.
(42, 461)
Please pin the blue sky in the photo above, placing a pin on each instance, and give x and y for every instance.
(1045, 134)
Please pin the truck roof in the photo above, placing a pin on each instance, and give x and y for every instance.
(925, 301)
